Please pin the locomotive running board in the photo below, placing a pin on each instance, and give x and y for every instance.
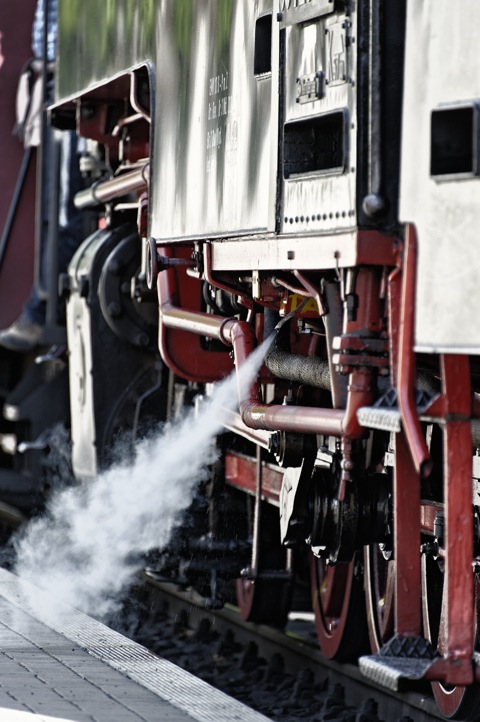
(383, 419)
(401, 659)
(374, 417)
(385, 414)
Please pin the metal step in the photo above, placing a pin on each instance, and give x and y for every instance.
(401, 659)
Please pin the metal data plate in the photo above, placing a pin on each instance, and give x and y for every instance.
(440, 182)
(319, 186)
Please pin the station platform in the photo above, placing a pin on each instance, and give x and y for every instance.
(59, 665)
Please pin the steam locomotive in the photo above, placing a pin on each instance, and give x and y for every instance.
(304, 169)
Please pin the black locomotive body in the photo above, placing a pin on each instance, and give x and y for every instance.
(304, 170)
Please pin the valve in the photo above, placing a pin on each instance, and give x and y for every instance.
(157, 263)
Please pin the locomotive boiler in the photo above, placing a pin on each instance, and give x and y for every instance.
(305, 171)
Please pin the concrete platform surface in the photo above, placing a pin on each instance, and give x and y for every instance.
(59, 665)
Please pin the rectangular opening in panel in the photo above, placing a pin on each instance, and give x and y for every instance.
(454, 142)
(262, 61)
(315, 145)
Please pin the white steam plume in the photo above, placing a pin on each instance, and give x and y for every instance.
(85, 549)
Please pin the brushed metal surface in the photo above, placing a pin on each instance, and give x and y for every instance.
(215, 143)
(442, 70)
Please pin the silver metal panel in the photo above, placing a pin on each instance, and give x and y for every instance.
(215, 145)
(284, 252)
(442, 71)
(323, 199)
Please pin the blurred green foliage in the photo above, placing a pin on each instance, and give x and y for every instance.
(104, 37)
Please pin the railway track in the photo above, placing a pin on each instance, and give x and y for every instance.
(281, 674)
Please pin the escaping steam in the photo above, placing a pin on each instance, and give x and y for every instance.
(86, 548)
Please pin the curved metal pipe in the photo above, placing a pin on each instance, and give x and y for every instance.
(104, 191)
(301, 419)
(311, 420)
(232, 332)
(256, 415)
(202, 324)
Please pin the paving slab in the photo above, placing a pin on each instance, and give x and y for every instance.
(59, 665)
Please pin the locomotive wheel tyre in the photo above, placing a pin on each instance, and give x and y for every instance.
(454, 702)
(379, 596)
(264, 601)
(339, 606)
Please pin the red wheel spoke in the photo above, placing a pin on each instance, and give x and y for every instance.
(337, 598)
(380, 596)
(333, 590)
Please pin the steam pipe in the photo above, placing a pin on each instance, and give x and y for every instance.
(231, 331)
(310, 420)
(104, 191)
(300, 419)
(309, 370)
(256, 415)
(283, 364)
